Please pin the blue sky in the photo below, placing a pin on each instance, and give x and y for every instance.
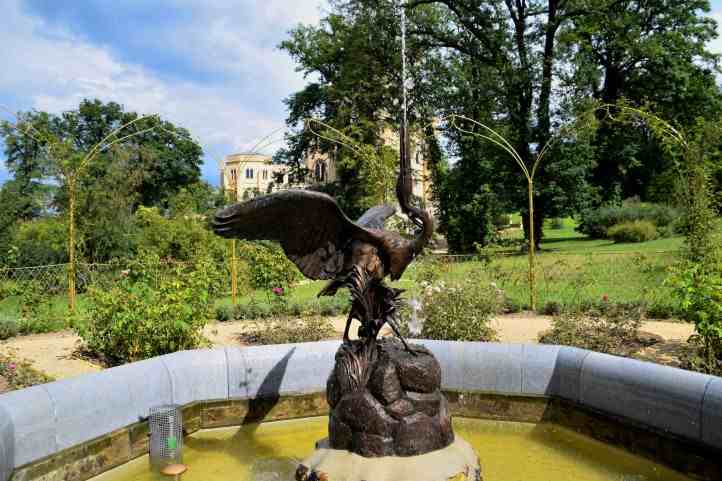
(211, 66)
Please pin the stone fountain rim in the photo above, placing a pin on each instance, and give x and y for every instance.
(38, 422)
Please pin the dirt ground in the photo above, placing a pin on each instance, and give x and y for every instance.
(53, 353)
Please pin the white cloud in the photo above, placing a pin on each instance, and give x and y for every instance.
(54, 69)
(716, 44)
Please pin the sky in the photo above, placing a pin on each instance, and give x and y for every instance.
(211, 66)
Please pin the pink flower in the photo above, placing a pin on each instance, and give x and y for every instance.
(278, 291)
(12, 366)
(605, 298)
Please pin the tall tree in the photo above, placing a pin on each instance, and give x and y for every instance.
(353, 59)
(643, 51)
(154, 162)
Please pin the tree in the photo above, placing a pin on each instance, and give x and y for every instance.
(355, 93)
(643, 51)
(153, 160)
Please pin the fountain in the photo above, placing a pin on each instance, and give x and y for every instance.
(532, 412)
(387, 409)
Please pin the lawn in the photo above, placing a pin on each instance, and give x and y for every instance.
(571, 271)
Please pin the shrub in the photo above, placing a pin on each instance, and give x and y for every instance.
(556, 223)
(40, 242)
(144, 316)
(8, 328)
(268, 267)
(20, 374)
(224, 313)
(699, 290)
(429, 270)
(460, 312)
(611, 332)
(636, 231)
(596, 223)
(284, 332)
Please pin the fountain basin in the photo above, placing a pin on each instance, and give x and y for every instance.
(77, 428)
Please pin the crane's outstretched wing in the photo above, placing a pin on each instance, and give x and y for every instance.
(375, 217)
(310, 227)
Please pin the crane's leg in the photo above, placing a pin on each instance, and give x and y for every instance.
(395, 328)
(346, 340)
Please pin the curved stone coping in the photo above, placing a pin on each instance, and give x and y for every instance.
(43, 420)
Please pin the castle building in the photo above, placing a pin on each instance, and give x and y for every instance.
(248, 175)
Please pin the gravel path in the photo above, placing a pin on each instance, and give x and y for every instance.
(53, 353)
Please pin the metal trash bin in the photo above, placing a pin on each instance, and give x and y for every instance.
(166, 436)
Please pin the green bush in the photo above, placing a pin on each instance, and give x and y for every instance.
(596, 223)
(610, 331)
(284, 332)
(268, 267)
(699, 289)
(20, 374)
(40, 242)
(146, 315)
(459, 312)
(8, 328)
(224, 313)
(636, 231)
(556, 223)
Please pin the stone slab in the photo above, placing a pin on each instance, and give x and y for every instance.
(283, 369)
(566, 375)
(32, 413)
(457, 461)
(663, 397)
(712, 414)
(538, 362)
(90, 406)
(199, 375)
(7, 440)
(492, 367)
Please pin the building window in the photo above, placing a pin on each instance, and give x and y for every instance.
(233, 175)
(249, 173)
(265, 175)
(320, 171)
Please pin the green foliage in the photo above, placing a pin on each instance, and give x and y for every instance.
(20, 374)
(285, 332)
(224, 313)
(557, 223)
(281, 307)
(267, 265)
(147, 313)
(180, 239)
(699, 289)
(597, 222)
(39, 242)
(8, 328)
(609, 331)
(459, 312)
(636, 231)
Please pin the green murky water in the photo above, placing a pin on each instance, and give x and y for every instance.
(508, 451)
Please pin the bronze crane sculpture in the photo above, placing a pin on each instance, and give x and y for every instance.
(317, 236)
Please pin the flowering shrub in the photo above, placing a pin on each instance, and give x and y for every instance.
(284, 332)
(457, 312)
(148, 313)
(699, 289)
(19, 374)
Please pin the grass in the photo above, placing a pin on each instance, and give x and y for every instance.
(571, 270)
